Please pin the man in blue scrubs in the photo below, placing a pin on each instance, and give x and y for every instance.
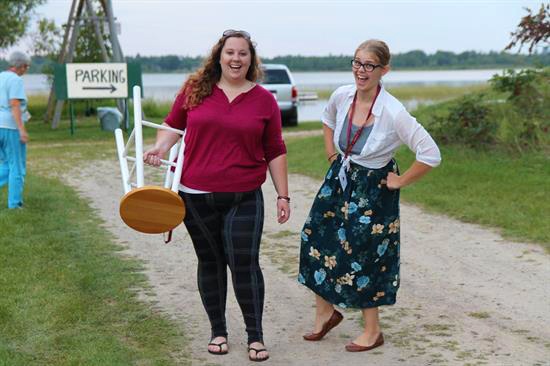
(13, 134)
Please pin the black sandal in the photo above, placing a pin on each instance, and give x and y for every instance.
(221, 351)
(256, 354)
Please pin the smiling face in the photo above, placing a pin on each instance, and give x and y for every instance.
(235, 59)
(365, 80)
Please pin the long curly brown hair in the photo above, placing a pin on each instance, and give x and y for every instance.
(199, 84)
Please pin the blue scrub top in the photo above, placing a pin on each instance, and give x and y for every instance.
(11, 87)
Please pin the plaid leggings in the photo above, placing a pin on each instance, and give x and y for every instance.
(226, 230)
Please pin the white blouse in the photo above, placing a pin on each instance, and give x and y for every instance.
(393, 126)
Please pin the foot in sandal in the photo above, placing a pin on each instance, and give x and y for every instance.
(218, 346)
(257, 352)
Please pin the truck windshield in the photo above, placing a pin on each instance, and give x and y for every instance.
(276, 77)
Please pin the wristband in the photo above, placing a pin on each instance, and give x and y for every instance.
(333, 155)
(286, 198)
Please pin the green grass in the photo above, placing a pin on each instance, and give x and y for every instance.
(434, 92)
(86, 129)
(492, 188)
(421, 92)
(151, 108)
(305, 126)
(67, 297)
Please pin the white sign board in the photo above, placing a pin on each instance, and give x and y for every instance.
(92, 81)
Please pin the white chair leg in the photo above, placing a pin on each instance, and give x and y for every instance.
(179, 169)
(169, 173)
(138, 136)
(122, 160)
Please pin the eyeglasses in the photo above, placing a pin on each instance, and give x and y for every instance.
(233, 32)
(368, 67)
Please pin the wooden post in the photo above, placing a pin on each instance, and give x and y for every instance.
(117, 51)
(97, 30)
(60, 59)
(68, 58)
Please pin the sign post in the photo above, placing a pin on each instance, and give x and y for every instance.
(96, 81)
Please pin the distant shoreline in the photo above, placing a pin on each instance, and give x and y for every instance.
(487, 67)
(410, 61)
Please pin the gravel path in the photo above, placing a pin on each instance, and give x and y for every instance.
(467, 297)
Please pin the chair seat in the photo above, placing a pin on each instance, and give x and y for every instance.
(152, 209)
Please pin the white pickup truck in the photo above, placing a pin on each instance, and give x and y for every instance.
(279, 81)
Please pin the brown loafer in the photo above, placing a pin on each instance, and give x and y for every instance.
(352, 347)
(334, 320)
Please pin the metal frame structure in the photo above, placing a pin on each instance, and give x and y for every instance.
(66, 54)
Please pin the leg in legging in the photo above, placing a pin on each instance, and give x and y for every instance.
(243, 225)
(204, 225)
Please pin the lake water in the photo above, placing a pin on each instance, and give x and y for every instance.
(163, 87)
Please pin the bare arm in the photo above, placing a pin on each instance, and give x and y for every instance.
(416, 171)
(328, 134)
(279, 176)
(16, 111)
(165, 140)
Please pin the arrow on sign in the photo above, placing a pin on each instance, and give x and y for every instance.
(111, 88)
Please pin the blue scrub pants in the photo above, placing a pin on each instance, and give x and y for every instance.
(13, 161)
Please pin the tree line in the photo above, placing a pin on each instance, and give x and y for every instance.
(418, 59)
(402, 61)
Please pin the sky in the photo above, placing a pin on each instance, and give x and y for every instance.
(304, 27)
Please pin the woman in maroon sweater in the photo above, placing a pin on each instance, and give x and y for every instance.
(233, 135)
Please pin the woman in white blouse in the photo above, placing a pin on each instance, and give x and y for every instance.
(350, 242)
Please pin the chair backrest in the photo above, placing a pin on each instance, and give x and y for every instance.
(149, 209)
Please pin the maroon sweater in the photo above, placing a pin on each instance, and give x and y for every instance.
(228, 145)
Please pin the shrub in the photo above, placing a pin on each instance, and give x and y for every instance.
(467, 121)
(152, 108)
(513, 114)
(526, 89)
(524, 119)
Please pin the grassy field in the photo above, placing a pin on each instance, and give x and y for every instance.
(423, 92)
(67, 297)
(492, 188)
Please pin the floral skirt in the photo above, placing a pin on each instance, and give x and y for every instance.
(349, 251)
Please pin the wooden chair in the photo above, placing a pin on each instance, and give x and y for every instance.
(147, 208)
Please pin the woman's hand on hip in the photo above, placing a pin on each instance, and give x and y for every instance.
(283, 211)
(393, 181)
(153, 156)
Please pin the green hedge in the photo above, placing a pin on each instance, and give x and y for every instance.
(512, 114)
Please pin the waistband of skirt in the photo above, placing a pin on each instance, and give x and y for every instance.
(392, 164)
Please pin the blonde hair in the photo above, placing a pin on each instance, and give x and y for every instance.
(199, 84)
(379, 48)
